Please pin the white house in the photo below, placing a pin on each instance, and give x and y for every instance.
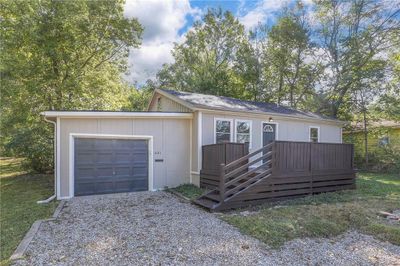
(106, 152)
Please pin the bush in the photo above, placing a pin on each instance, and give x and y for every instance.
(36, 145)
(383, 159)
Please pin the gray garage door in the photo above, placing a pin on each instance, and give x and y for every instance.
(110, 166)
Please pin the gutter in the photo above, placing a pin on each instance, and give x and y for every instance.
(55, 165)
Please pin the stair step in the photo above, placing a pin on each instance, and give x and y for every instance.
(207, 203)
(213, 196)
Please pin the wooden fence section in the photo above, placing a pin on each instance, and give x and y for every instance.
(214, 155)
(297, 169)
(300, 169)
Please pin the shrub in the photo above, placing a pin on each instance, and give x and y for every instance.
(35, 144)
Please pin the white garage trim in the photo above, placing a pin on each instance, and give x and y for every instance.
(72, 137)
(87, 114)
(58, 158)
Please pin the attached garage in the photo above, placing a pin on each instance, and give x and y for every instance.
(110, 165)
(112, 152)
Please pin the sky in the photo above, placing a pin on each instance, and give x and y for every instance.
(165, 22)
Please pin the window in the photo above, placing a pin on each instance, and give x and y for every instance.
(314, 134)
(383, 141)
(223, 130)
(243, 131)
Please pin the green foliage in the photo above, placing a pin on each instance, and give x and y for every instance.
(138, 99)
(60, 55)
(190, 191)
(383, 158)
(204, 61)
(19, 192)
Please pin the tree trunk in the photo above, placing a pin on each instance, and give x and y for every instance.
(365, 137)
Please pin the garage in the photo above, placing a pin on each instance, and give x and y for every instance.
(110, 165)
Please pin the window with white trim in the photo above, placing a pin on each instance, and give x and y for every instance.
(243, 131)
(314, 134)
(223, 130)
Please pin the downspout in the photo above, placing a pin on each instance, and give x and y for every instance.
(55, 165)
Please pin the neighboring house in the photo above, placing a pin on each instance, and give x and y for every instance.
(107, 152)
(381, 134)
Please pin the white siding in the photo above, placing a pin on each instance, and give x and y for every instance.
(287, 129)
(170, 142)
(167, 105)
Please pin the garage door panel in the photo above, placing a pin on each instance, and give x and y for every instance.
(110, 166)
(104, 157)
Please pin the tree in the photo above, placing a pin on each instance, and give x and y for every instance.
(288, 51)
(352, 35)
(60, 55)
(203, 62)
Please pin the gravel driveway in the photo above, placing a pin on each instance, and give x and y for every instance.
(158, 228)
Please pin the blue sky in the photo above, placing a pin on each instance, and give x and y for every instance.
(165, 22)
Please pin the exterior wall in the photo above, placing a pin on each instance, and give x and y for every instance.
(170, 143)
(287, 129)
(167, 105)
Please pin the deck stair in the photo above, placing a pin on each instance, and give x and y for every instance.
(237, 177)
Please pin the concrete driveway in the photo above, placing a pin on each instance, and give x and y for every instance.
(139, 228)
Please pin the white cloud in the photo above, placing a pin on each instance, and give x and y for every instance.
(261, 12)
(162, 21)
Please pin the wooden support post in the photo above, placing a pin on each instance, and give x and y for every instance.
(222, 182)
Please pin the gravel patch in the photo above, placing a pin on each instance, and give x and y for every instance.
(351, 248)
(157, 228)
(139, 228)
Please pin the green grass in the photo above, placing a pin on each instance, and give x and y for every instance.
(327, 215)
(19, 192)
(190, 191)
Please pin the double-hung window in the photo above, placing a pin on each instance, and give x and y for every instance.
(223, 130)
(243, 131)
(314, 134)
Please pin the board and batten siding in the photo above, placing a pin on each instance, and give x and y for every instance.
(169, 143)
(167, 105)
(288, 129)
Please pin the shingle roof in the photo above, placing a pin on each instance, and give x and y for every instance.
(205, 101)
(357, 126)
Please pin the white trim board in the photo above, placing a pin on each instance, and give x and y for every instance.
(199, 140)
(71, 148)
(58, 158)
(87, 114)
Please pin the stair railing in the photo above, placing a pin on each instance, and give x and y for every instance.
(238, 170)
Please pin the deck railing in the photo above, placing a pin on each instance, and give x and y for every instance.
(280, 170)
(237, 176)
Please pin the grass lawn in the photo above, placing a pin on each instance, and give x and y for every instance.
(328, 214)
(19, 192)
(189, 191)
(323, 215)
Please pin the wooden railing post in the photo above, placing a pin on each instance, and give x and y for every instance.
(222, 182)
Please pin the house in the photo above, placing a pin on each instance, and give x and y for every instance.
(382, 135)
(106, 152)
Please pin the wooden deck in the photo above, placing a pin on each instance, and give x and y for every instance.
(278, 171)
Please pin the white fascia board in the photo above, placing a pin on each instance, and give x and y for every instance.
(282, 116)
(85, 114)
